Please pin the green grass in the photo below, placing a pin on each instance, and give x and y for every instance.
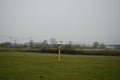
(35, 66)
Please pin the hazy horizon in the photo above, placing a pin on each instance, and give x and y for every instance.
(64, 20)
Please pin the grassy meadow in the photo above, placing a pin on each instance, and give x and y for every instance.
(42, 66)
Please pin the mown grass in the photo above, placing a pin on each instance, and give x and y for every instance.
(41, 66)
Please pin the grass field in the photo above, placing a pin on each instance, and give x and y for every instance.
(36, 66)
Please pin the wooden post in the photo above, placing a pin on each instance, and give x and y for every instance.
(59, 50)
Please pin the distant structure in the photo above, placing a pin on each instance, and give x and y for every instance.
(113, 46)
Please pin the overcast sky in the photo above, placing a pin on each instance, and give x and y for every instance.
(65, 20)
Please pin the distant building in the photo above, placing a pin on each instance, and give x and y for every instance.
(113, 46)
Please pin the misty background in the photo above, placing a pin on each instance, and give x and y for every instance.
(64, 20)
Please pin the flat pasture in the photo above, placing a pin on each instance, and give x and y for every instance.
(42, 66)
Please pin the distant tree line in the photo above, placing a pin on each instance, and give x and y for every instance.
(52, 45)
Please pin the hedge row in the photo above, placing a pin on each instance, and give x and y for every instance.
(74, 52)
(5, 50)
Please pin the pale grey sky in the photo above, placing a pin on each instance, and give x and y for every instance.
(66, 20)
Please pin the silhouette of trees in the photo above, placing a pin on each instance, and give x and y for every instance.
(31, 43)
(68, 46)
(95, 44)
(53, 43)
(102, 46)
(6, 44)
(45, 44)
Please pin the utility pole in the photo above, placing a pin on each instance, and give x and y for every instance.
(59, 50)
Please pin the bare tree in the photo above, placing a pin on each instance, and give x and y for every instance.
(31, 43)
(95, 45)
(45, 44)
(53, 42)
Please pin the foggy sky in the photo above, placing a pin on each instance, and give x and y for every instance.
(65, 20)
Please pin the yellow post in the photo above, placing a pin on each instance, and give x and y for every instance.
(59, 48)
